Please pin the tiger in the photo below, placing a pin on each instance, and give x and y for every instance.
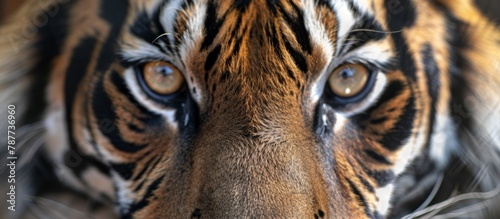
(251, 109)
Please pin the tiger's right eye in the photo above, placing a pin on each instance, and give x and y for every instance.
(348, 80)
(162, 77)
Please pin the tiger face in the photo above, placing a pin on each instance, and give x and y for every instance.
(250, 109)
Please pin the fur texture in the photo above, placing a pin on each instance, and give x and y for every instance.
(255, 134)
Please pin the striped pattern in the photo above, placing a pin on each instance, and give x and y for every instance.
(256, 132)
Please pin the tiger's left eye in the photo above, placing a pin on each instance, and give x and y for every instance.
(348, 80)
(162, 77)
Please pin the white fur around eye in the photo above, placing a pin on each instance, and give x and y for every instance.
(142, 98)
(356, 108)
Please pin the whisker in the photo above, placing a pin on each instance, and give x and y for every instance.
(160, 36)
(374, 31)
(469, 209)
(51, 204)
(454, 200)
(433, 193)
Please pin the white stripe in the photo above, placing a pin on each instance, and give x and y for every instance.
(363, 6)
(376, 52)
(443, 140)
(168, 16)
(384, 194)
(345, 20)
(191, 41)
(319, 38)
(143, 50)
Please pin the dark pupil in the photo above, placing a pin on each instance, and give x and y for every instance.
(164, 70)
(346, 73)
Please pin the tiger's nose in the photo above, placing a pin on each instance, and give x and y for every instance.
(246, 178)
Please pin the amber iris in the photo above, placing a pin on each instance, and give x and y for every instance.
(162, 77)
(348, 80)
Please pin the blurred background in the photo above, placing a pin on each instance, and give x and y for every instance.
(8, 6)
(490, 7)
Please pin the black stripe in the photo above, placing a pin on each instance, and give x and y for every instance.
(48, 44)
(76, 71)
(147, 117)
(271, 4)
(378, 121)
(146, 166)
(377, 157)
(400, 15)
(365, 31)
(144, 201)
(457, 42)
(98, 164)
(397, 136)
(212, 58)
(292, 76)
(79, 163)
(298, 58)
(325, 3)
(147, 28)
(142, 28)
(114, 13)
(104, 111)
(360, 198)
(241, 5)
(135, 128)
(394, 138)
(298, 27)
(150, 164)
(75, 159)
(212, 26)
(122, 88)
(274, 37)
(224, 77)
(383, 178)
(149, 170)
(377, 215)
(236, 49)
(354, 9)
(433, 86)
(125, 170)
(392, 90)
(365, 183)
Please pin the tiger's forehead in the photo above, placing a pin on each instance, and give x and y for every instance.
(219, 37)
(176, 16)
